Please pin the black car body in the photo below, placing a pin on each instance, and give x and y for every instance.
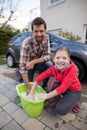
(78, 50)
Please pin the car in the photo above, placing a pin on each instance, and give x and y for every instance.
(78, 50)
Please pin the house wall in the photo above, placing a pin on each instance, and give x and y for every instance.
(69, 14)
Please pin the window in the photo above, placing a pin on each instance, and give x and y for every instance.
(85, 33)
(55, 1)
(54, 39)
(18, 39)
(57, 31)
(86, 36)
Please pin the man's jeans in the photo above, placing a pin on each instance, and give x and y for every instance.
(41, 67)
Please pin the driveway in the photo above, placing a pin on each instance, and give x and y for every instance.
(12, 74)
(12, 116)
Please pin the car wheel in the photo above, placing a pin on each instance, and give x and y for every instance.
(81, 69)
(10, 61)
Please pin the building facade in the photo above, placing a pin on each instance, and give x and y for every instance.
(61, 15)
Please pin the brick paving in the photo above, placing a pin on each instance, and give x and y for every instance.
(12, 116)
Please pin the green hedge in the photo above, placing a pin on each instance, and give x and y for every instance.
(5, 37)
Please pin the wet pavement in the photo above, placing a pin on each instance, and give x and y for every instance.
(12, 116)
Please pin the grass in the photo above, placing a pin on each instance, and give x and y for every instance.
(2, 59)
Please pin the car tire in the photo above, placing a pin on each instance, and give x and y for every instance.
(10, 61)
(81, 69)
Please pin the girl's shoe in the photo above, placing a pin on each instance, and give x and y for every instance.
(76, 108)
(53, 103)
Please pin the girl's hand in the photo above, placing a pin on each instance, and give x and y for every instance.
(49, 95)
(31, 96)
(43, 96)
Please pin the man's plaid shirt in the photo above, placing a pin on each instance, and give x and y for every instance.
(30, 50)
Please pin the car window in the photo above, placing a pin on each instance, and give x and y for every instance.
(13, 39)
(25, 35)
(18, 39)
(54, 39)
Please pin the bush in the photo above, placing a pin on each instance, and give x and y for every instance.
(5, 37)
(69, 35)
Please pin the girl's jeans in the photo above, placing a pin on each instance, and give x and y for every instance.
(66, 103)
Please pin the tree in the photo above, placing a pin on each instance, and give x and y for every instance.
(8, 8)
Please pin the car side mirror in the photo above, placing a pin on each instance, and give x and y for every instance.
(53, 44)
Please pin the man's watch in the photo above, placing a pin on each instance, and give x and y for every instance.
(44, 58)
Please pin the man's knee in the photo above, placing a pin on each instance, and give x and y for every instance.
(49, 64)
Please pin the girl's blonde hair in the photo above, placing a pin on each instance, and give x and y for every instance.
(62, 49)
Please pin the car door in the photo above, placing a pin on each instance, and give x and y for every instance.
(54, 42)
(16, 44)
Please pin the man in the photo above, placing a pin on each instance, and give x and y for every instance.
(35, 52)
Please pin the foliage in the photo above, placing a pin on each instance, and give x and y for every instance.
(2, 59)
(69, 35)
(25, 29)
(5, 36)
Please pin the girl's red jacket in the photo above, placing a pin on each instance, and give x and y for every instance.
(68, 78)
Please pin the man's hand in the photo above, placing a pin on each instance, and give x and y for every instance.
(30, 65)
(45, 38)
(32, 91)
(28, 90)
(47, 57)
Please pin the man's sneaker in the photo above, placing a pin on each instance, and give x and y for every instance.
(76, 108)
(19, 76)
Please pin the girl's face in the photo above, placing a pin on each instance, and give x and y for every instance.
(61, 59)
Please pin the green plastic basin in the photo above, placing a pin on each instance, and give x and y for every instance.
(32, 108)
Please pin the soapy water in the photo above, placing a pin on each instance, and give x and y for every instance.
(36, 96)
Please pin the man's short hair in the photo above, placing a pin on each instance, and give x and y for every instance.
(38, 21)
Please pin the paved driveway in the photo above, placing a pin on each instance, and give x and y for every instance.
(12, 116)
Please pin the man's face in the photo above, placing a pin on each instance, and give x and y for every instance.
(39, 33)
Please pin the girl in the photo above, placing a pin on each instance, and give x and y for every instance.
(66, 83)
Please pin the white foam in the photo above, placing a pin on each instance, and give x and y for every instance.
(36, 96)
